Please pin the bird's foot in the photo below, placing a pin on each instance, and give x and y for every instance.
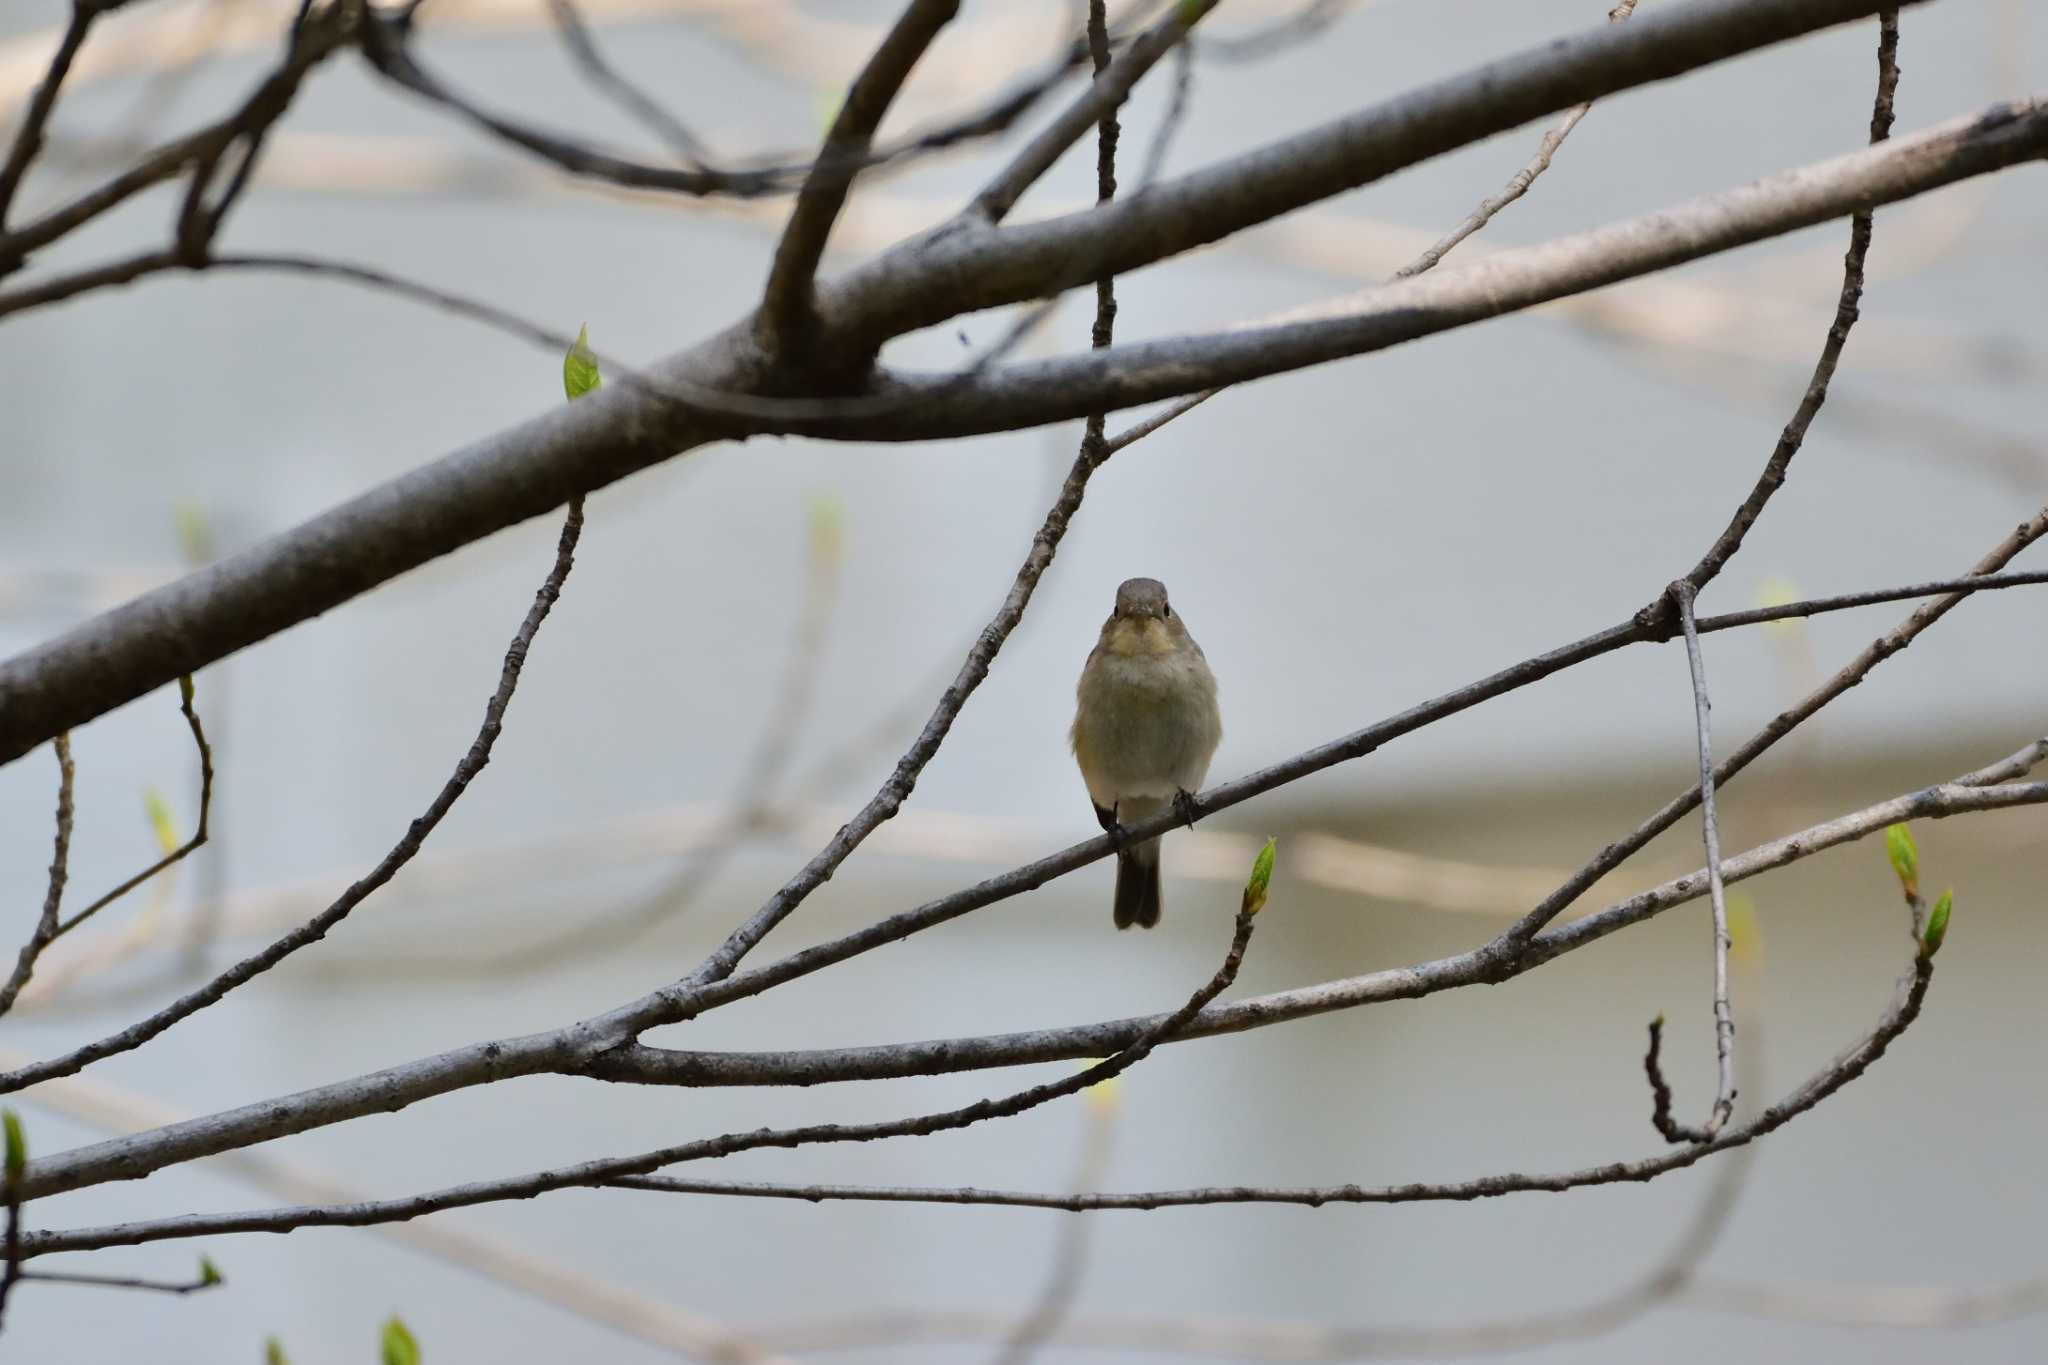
(1119, 837)
(1184, 806)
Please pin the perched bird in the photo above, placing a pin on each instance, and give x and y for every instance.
(1145, 727)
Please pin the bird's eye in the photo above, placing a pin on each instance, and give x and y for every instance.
(1169, 611)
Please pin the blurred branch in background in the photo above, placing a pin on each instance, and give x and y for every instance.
(659, 1322)
(805, 360)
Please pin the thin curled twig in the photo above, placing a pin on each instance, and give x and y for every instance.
(317, 928)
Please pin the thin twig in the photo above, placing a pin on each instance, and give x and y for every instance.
(384, 46)
(1112, 84)
(28, 138)
(1517, 186)
(582, 47)
(1519, 183)
(196, 1284)
(53, 898)
(896, 789)
(1852, 673)
(599, 1047)
(1847, 310)
(199, 831)
(472, 763)
(605, 1170)
(657, 1066)
(1724, 1020)
(1845, 1068)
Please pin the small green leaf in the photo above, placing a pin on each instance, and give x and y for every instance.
(17, 1145)
(579, 367)
(1898, 846)
(195, 535)
(161, 822)
(209, 1273)
(399, 1346)
(1937, 924)
(1189, 11)
(273, 1352)
(826, 102)
(1745, 938)
(185, 688)
(828, 529)
(1262, 877)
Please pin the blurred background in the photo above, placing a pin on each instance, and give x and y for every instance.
(752, 634)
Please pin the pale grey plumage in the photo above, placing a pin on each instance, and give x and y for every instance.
(1146, 725)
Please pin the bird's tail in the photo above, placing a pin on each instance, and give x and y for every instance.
(1137, 886)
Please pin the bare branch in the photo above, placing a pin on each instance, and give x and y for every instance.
(1852, 673)
(1846, 1067)
(1112, 84)
(600, 1171)
(479, 754)
(28, 138)
(60, 863)
(1517, 186)
(538, 465)
(1519, 183)
(601, 1047)
(896, 790)
(197, 1283)
(657, 1066)
(324, 34)
(1847, 310)
(199, 831)
(786, 302)
(649, 111)
(1724, 1020)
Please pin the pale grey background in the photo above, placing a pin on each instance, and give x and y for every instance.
(1344, 542)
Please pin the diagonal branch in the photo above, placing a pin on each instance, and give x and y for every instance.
(883, 806)
(1113, 83)
(786, 302)
(1847, 310)
(610, 1168)
(45, 931)
(1852, 673)
(656, 1066)
(1847, 1066)
(317, 928)
(28, 138)
(199, 831)
(596, 1047)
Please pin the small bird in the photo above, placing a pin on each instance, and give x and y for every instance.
(1145, 727)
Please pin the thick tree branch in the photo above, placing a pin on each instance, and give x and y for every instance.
(538, 465)
(923, 406)
(786, 301)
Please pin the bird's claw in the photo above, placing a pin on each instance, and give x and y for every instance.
(1184, 807)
